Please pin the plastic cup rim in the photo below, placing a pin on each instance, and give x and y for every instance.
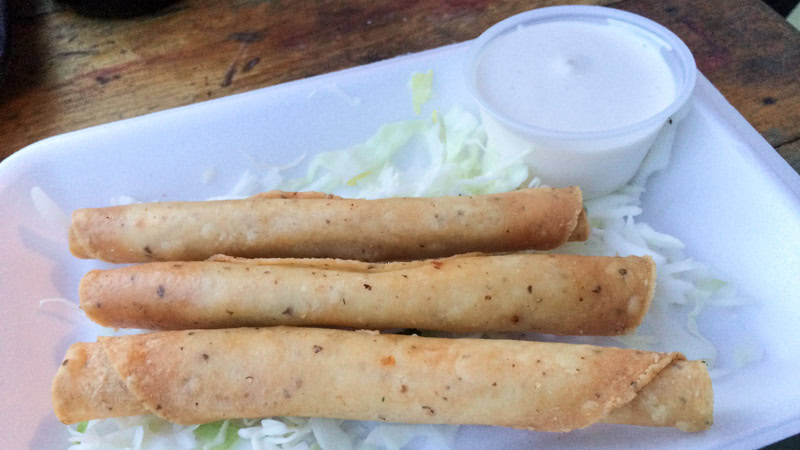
(685, 57)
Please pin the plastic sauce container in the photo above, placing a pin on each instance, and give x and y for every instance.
(583, 90)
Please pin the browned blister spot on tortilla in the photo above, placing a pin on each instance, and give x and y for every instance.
(388, 361)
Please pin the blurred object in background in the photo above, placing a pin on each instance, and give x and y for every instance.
(3, 38)
(115, 8)
(782, 7)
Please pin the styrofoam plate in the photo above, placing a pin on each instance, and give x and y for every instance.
(726, 194)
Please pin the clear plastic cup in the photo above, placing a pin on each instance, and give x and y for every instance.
(599, 161)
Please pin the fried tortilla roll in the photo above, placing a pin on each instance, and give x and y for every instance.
(191, 377)
(557, 294)
(314, 225)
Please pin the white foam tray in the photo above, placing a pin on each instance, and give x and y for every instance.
(726, 194)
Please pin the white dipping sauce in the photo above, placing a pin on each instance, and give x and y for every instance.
(575, 75)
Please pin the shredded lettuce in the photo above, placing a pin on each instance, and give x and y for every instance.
(221, 435)
(49, 210)
(209, 175)
(260, 177)
(123, 200)
(329, 434)
(359, 164)
(396, 436)
(685, 288)
(138, 432)
(443, 155)
(421, 85)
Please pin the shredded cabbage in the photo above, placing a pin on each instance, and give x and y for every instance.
(421, 85)
(209, 175)
(445, 155)
(59, 301)
(334, 89)
(123, 200)
(684, 287)
(49, 210)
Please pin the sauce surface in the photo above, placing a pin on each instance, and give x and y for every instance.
(575, 75)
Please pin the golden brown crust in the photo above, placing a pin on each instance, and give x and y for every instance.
(557, 294)
(692, 410)
(206, 375)
(582, 228)
(280, 224)
(88, 386)
(79, 231)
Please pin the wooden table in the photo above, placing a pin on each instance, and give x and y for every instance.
(68, 72)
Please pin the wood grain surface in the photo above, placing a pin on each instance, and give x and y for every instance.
(68, 72)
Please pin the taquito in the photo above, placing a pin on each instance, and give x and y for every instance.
(192, 377)
(314, 225)
(556, 294)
